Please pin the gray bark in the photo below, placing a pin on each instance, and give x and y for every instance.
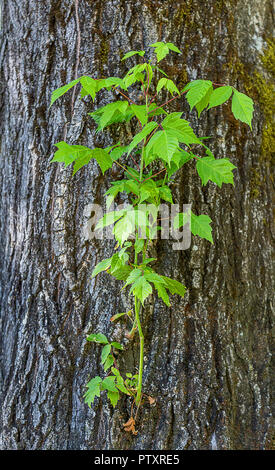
(208, 357)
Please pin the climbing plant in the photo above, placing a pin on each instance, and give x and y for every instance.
(162, 138)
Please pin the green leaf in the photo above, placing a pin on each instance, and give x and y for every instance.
(219, 96)
(133, 276)
(103, 159)
(179, 158)
(111, 81)
(97, 338)
(164, 144)
(62, 90)
(242, 107)
(102, 266)
(181, 129)
(131, 53)
(140, 112)
(165, 194)
(109, 218)
(168, 84)
(110, 113)
(115, 371)
(113, 397)
(172, 47)
(134, 74)
(93, 390)
(89, 85)
(117, 152)
(122, 273)
(139, 244)
(108, 363)
(162, 49)
(105, 353)
(120, 385)
(141, 289)
(196, 91)
(203, 103)
(116, 345)
(81, 156)
(118, 315)
(108, 384)
(142, 135)
(162, 293)
(218, 171)
(174, 286)
(200, 225)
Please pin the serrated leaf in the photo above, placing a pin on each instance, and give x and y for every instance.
(93, 390)
(105, 353)
(134, 74)
(162, 293)
(165, 194)
(164, 144)
(120, 385)
(110, 113)
(109, 218)
(242, 107)
(140, 112)
(80, 156)
(161, 50)
(200, 225)
(141, 135)
(117, 152)
(196, 90)
(181, 129)
(168, 84)
(109, 384)
(103, 159)
(219, 96)
(116, 345)
(133, 276)
(102, 266)
(218, 171)
(108, 363)
(172, 47)
(174, 286)
(62, 90)
(114, 81)
(131, 53)
(97, 338)
(113, 397)
(122, 273)
(203, 103)
(141, 289)
(89, 85)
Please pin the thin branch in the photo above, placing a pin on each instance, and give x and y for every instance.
(169, 101)
(125, 169)
(164, 169)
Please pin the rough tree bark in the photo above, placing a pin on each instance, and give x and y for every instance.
(208, 357)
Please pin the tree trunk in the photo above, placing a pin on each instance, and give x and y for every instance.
(208, 357)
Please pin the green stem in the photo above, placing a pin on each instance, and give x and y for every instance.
(141, 341)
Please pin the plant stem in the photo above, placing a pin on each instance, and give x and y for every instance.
(141, 344)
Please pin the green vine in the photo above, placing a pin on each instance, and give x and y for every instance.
(165, 138)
